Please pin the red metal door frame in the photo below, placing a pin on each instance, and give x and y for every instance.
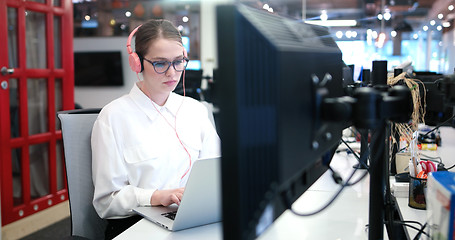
(9, 211)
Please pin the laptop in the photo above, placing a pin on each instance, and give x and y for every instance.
(200, 204)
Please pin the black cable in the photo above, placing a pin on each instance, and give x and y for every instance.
(362, 159)
(336, 177)
(348, 184)
(415, 228)
(402, 149)
(450, 167)
(410, 221)
(406, 224)
(350, 149)
(288, 204)
(364, 146)
(420, 232)
(357, 156)
(438, 126)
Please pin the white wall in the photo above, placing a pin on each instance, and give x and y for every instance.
(448, 48)
(97, 97)
(209, 50)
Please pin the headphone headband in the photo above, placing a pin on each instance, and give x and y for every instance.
(130, 37)
(134, 59)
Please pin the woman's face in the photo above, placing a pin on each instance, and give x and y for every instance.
(162, 50)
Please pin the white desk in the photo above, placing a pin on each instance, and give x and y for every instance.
(344, 219)
(447, 153)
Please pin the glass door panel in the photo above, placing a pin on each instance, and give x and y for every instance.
(58, 101)
(12, 38)
(35, 39)
(37, 105)
(60, 165)
(38, 1)
(39, 170)
(16, 166)
(57, 42)
(14, 107)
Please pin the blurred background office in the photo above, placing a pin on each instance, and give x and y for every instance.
(62, 54)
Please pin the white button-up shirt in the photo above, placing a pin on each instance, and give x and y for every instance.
(136, 151)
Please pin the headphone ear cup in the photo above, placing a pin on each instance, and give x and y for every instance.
(135, 62)
(141, 61)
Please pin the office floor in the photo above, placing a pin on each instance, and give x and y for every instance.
(56, 231)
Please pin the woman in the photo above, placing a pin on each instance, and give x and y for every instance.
(144, 143)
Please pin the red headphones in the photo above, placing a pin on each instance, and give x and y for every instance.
(134, 59)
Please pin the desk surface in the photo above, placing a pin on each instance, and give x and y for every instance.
(349, 211)
(446, 152)
(346, 218)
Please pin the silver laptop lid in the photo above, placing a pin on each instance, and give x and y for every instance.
(201, 201)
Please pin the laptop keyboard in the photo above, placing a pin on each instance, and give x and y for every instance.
(170, 215)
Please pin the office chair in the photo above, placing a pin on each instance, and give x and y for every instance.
(210, 111)
(76, 131)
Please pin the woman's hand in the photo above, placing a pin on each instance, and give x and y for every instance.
(167, 197)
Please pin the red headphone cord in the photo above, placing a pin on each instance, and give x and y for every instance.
(175, 124)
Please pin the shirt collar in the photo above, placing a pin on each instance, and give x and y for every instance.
(145, 104)
(173, 103)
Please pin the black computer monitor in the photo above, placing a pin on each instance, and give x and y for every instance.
(272, 75)
(193, 80)
(99, 68)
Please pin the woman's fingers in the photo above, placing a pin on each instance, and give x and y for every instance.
(175, 199)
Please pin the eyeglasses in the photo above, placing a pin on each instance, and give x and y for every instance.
(162, 66)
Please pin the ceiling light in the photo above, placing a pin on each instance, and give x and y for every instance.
(374, 34)
(324, 16)
(415, 36)
(387, 16)
(446, 24)
(393, 33)
(432, 22)
(266, 6)
(380, 16)
(185, 19)
(333, 23)
(425, 28)
(270, 10)
(87, 18)
(128, 14)
(439, 27)
(440, 16)
(450, 7)
(339, 34)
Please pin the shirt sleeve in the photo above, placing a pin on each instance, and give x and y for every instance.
(113, 196)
